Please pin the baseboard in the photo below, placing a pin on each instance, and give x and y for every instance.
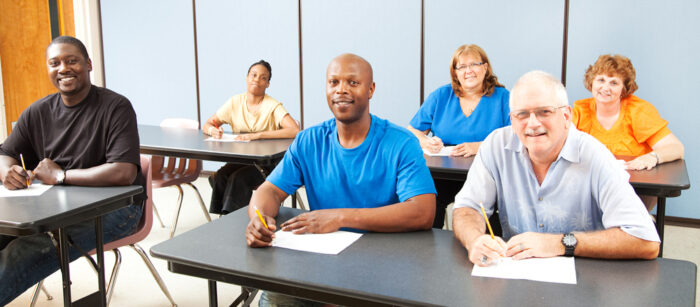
(682, 221)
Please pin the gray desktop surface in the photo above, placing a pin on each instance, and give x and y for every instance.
(415, 268)
(61, 206)
(189, 143)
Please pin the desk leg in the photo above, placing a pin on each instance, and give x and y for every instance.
(100, 260)
(660, 217)
(294, 200)
(64, 261)
(213, 300)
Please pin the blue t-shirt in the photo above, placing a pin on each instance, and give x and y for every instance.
(387, 168)
(442, 114)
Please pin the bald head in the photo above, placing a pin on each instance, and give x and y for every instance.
(347, 59)
(539, 80)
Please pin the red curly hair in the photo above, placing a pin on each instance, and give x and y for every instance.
(613, 65)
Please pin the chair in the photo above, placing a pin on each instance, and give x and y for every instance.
(178, 171)
(144, 228)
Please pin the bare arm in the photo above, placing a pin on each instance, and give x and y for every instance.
(267, 198)
(612, 243)
(669, 148)
(107, 174)
(416, 213)
(432, 144)
(289, 130)
(213, 127)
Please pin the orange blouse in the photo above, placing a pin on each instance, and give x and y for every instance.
(638, 127)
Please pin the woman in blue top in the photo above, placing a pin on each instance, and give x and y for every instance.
(462, 113)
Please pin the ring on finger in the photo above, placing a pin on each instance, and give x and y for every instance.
(484, 259)
(521, 247)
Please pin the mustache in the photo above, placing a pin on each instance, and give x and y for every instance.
(535, 132)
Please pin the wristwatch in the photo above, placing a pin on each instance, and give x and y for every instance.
(569, 242)
(61, 177)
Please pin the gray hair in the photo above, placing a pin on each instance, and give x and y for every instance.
(544, 79)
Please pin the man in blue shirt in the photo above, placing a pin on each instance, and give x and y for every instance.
(360, 171)
(559, 191)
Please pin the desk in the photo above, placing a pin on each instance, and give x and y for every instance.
(411, 269)
(665, 180)
(189, 143)
(62, 206)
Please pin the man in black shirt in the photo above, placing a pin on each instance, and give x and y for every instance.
(83, 135)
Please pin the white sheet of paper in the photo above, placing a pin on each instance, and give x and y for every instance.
(323, 243)
(555, 269)
(445, 151)
(226, 138)
(35, 189)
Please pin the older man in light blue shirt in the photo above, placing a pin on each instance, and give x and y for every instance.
(559, 191)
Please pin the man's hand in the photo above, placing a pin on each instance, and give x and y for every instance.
(465, 149)
(432, 144)
(537, 245)
(318, 221)
(16, 178)
(485, 250)
(257, 235)
(47, 171)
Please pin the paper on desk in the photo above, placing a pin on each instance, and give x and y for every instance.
(35, 189)
(324, 243)
(445, 151)
(226, 138)
(555, 269)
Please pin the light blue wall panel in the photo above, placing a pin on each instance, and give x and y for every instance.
(149, 56)
(661, 39)
(231, 35)
(518, 36)
(385, 33)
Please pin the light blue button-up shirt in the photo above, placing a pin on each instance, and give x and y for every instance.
(585, 188)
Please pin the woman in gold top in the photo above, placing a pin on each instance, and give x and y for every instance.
(252, 115)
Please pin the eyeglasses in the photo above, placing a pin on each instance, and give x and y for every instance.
(469, 66)
(542, 113)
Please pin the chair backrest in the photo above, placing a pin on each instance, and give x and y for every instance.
(175, 170)
(146, 222)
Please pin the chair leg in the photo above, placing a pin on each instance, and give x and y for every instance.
(155, 274)
(113, 276)
(201, 202)
(35, 296)
(177, 212)
(155, 211)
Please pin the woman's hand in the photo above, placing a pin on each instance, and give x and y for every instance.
(465, 149)
(431, 144)
(247, 136)
(647, 162)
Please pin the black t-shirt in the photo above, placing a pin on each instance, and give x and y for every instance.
(100, 129)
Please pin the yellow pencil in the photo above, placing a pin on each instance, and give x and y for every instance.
(487, 220)
(260, 216)
(24, 167)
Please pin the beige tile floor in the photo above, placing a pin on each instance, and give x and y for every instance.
(136, 287)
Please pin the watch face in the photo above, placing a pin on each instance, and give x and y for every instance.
(569, 240)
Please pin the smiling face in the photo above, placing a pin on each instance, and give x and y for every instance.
(607, 89)
(349, 87)
(543, 137)
(469, 73)
(68, 69)
(258, 80)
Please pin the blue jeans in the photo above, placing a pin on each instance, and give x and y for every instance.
(29, 259)
(274, 299)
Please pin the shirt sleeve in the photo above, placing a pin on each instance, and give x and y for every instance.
(647, 124)
(224, 112)
(505, 111)
(479, 187)
(423, 120)
(278, 114)
(287, 174)
(619, 203)
(413, 176)
(19, 141)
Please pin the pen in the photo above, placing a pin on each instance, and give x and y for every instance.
(485, 218)
(260, 216)
(24, 167)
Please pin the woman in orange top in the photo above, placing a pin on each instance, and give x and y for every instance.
(626, 124)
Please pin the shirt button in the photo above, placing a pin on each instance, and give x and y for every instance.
(541, 225)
